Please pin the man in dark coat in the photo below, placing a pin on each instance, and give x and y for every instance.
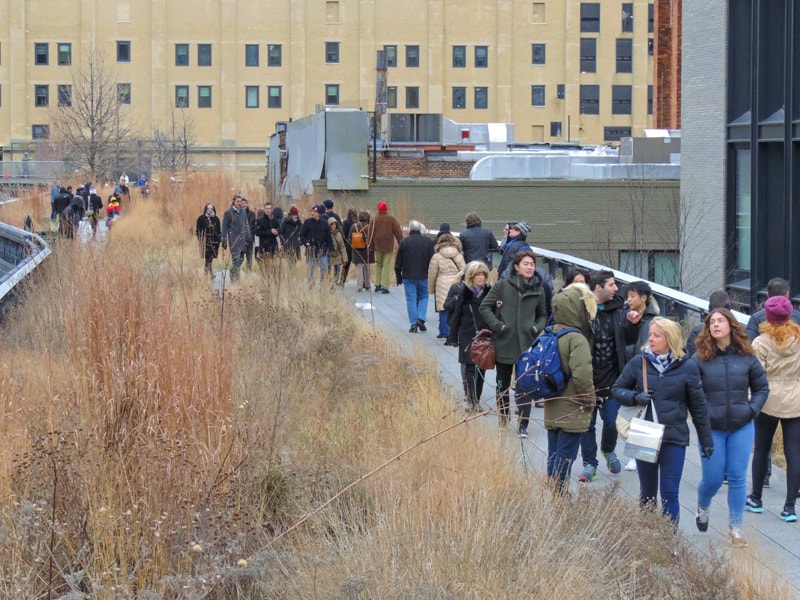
(411, 269)
(776, 287)
(235, 234)
(266, 229)
(315, 236)
(478, 242)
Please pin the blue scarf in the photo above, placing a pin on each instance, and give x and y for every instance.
(660, 361)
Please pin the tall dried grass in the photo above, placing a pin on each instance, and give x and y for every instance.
(157, 441)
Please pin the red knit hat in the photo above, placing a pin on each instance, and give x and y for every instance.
(383, 207)
(293, 211)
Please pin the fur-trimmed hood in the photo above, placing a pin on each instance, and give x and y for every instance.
(575, 306)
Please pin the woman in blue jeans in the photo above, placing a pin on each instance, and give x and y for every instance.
(674, 390)
(736, 389)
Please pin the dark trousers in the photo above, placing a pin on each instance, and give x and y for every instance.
(766, 425)
(608, 438)
(562, 450)
(472, 376)
(666, 473)
(503, 375)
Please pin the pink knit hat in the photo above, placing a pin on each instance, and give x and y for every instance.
(778, 309)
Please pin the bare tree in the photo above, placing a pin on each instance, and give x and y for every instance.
(93, 124)
(173, 142)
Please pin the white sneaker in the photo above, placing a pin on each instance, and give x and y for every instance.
(631, 466)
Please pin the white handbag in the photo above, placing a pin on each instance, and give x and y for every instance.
(645, 437)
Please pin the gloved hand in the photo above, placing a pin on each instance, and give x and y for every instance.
(224, 245)
(399, 279)
(708, 451)
(642, 399)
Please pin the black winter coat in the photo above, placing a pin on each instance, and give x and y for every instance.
(263, 229)
(208, 232)
(478, 243)
(317, 234)
(290, 234)
(676, 392)
(466, 321)
(727, 378)
(413, 257)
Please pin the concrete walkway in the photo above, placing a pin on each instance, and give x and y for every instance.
(773, 544)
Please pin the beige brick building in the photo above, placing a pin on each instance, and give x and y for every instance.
(558, 69)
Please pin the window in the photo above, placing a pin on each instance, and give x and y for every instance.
(274, 55)
(412, 56)
(251, 96)
(590, 17)
(590, 100)
(182, 96)
(40, 132)
(658, 266)
(650, 18)
(391, 96)
(627, 17)
(555, 129)
(481, 97)
(251, 55)
(64, 54)
(391, 55)
(412, 97)
(539, 54)
(650, 47)
(588, 55)
(615, 134)
(203, 96)
(273, 96)
(538, 13)
(203, 55)
(64, 95)
(537, 95)
(123, 52)
(459, 57)
(649, 99)
(332, 53)
(624, 55)
(481, 57)
(332, 94)
(181, 55)
(561, 92)
(41, 54)
(620, 99)
(459, 97)
(41, 95)
(124, 93)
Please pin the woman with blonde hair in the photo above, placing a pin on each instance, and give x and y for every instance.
(673, 390)
(736, 389)
(465, 322)
(778, 349)
(444, 270)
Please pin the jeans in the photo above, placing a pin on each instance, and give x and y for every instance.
(731, 455)
(608, 438)
(444, 328)
(383, 269)
(666, 472)
(765, 431)
(317, 262)
(416, 299)
(473, 377)
(237, 258)
(562, 450)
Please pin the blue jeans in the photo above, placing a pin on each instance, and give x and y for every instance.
(608, 438)
(666, 472)
(444, 328)
(416, 299)
(562, 450)
(317, 262)
(731, 455)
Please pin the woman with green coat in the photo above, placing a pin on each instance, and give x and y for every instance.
(515, 311)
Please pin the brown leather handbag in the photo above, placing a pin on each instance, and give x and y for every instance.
(482, 350)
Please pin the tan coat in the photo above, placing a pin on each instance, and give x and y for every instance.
(445, 269)
(338, 255)
(782, 366)
(383, 230)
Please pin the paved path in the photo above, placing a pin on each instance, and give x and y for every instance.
(772, 543)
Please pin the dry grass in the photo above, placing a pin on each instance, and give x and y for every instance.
(156, 442)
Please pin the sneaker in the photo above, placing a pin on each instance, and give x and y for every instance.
(766, 481)
(385, 291)
(522, 433)
(589, 474)
(736, 536)
(754, 505)
(701, 520)
(412, 329)
(612, 462)
(631, 466)
(421, 325)
(788, 514)
(378, 288)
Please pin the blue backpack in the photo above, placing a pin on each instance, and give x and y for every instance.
(539, 371)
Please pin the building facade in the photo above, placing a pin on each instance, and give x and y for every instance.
(560, 70)
(741, 152)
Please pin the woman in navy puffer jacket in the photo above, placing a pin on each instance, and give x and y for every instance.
(736, 388)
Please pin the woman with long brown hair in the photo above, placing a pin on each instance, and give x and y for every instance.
(778, 350)
(736, 390)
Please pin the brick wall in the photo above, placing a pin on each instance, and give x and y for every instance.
(421, 167)
(667, 68)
